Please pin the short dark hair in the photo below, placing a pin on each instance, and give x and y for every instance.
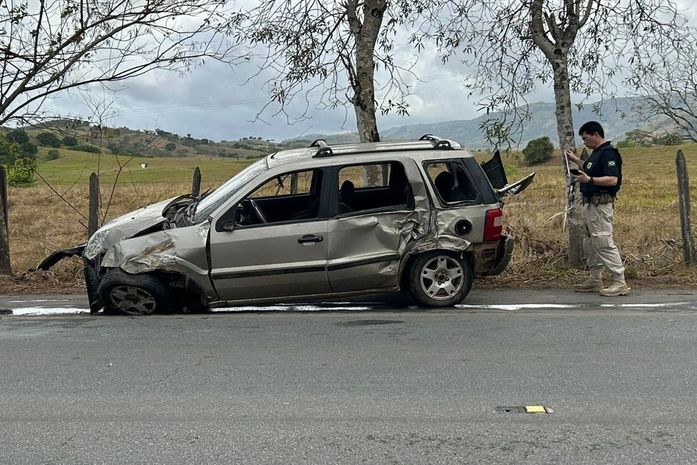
(591, 127)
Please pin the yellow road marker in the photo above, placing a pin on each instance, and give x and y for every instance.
(535, 409)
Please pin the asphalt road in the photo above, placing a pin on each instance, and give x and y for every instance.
(376, 386)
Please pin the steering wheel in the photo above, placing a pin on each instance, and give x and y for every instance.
(257, 211)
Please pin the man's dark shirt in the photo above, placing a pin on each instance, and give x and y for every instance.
(605, 160)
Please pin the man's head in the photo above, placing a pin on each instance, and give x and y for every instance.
(592, 134)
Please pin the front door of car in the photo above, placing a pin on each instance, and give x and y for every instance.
(375, 214)
(273, 243)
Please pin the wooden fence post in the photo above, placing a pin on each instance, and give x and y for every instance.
(196, 183)
(93, 217)
(684, 205)
(5, 267)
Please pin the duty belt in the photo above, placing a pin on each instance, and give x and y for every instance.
(597, 199)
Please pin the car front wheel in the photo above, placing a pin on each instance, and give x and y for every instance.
(134, 294)
(440, 279)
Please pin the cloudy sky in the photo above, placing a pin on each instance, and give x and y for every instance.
(218, 102)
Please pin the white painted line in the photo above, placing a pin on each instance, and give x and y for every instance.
(287, 308)
(668, 304)
(24, 311)
(514, 307)
(43, 311)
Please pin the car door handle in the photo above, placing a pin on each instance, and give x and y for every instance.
(310, 239)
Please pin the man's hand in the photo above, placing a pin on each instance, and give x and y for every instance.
(581, 177)
(571, 155)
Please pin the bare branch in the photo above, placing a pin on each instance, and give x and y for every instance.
(50, 46)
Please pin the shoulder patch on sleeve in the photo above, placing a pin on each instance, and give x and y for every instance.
(611, 163)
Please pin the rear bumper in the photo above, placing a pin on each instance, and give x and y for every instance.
(492, 258)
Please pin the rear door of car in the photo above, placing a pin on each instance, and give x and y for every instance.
(283, 256)
(373, 208)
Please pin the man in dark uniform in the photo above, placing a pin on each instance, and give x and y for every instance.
(600, 179)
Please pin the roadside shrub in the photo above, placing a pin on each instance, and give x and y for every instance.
(538, 150)
(21, 172)
(48, 139)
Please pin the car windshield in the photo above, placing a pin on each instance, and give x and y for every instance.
(212, 202)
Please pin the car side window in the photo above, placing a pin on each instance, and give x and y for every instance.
(451, 181)
(288, 197)
(373, 186)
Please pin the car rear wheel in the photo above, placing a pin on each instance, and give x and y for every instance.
(134, 294)
(440, 279)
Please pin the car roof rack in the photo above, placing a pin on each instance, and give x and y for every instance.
(425, 142)
(324, 149)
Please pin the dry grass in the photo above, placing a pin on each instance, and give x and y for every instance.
(647, 223)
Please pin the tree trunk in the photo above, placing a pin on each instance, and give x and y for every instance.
(363, 82)
(567, 141)
(554, 40)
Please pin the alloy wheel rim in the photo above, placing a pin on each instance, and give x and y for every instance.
(442, 277)
(133, 300)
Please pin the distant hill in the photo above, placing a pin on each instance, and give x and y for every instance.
(83, 136)
(618, 117)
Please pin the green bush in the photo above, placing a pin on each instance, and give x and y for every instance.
(538, 150)
(21, 172)
(53, 154)
(70, 141)
(18, 136)
(8, 151)
(28, 150)
(86, 148)
(48, 139)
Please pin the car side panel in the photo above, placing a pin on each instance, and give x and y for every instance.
(365, 250)
(269, 261)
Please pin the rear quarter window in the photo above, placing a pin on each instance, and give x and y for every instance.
(459, 180)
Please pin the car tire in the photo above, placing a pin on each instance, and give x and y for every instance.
(134, 294)
(440, 279)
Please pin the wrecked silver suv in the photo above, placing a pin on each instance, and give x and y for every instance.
(317, 222)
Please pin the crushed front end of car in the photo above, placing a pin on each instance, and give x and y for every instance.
(158, 239)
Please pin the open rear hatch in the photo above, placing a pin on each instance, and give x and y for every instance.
(497, 177)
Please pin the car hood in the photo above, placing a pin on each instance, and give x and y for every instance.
(126, 226)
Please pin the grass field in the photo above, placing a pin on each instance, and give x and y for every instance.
(43, 218)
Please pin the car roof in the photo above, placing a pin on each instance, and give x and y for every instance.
(427, 147)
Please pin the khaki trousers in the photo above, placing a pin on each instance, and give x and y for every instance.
(598, 245)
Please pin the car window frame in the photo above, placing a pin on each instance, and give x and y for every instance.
(464, 163)
(322, 214)
(410, 205)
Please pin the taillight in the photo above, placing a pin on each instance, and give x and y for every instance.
(493, 225)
